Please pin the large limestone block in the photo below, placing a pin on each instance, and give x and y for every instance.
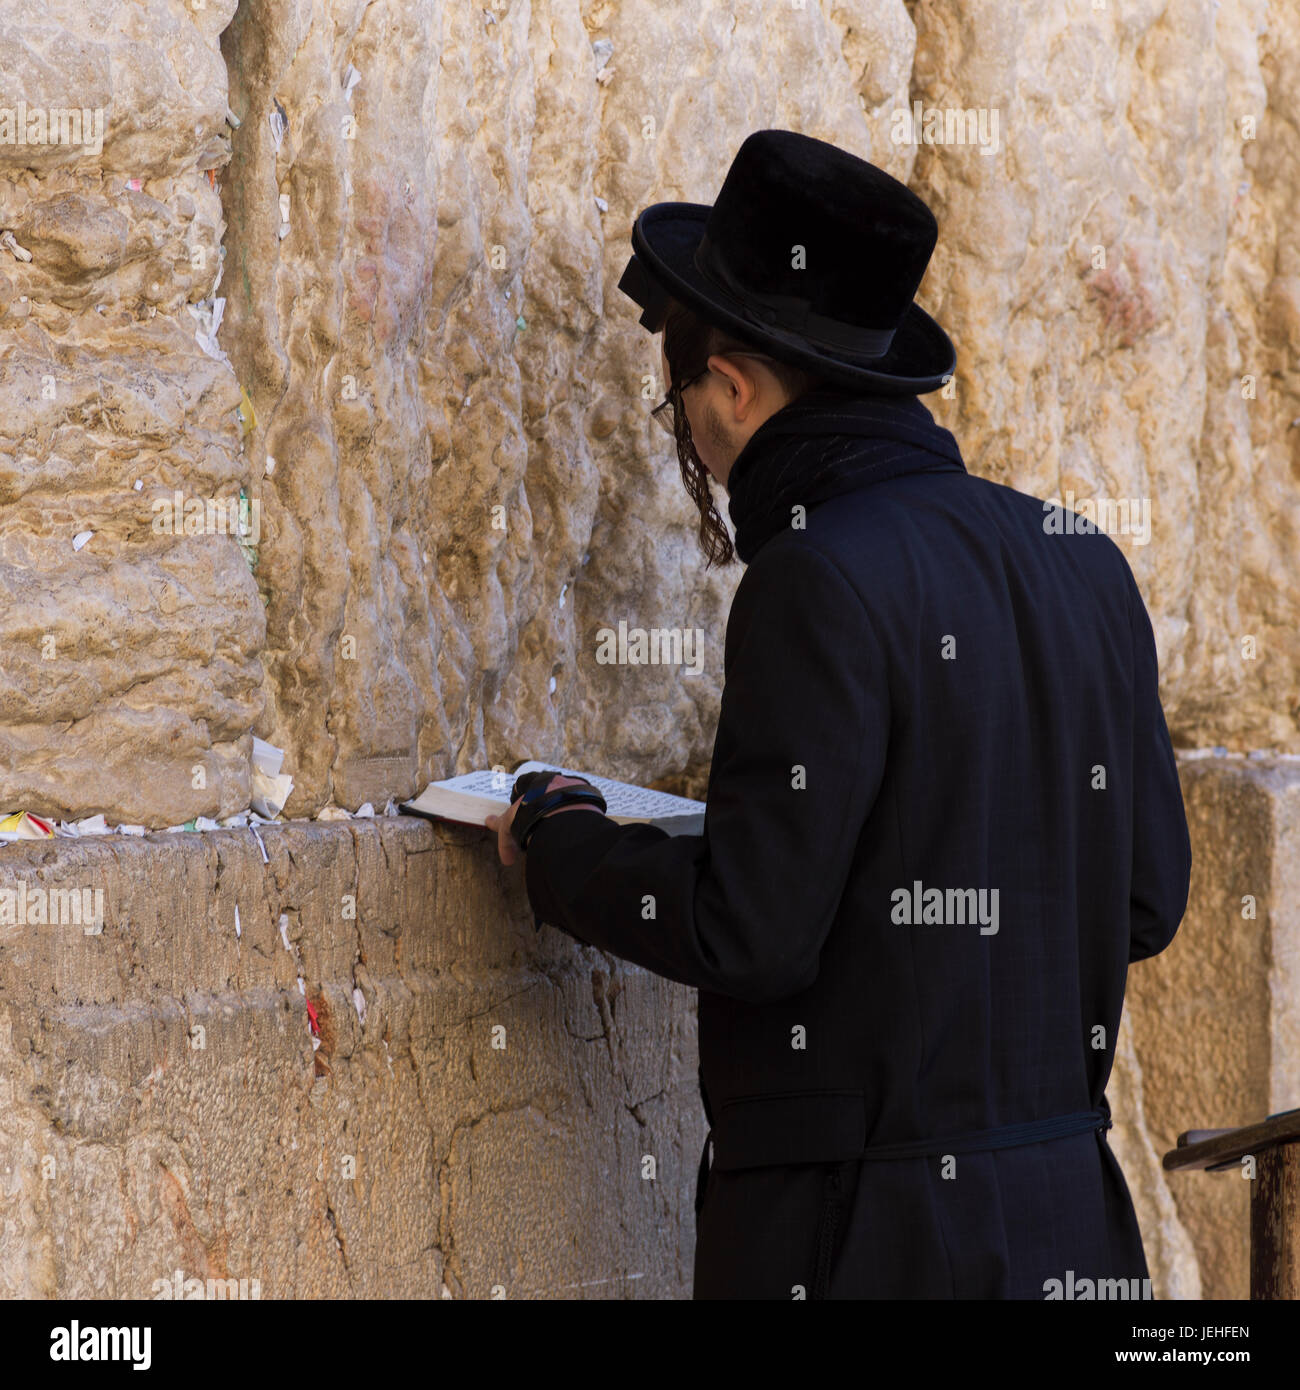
(488, 1109)
(465, 487)
(151, 67)
(1154, 135)
(1213, 1018)
(130, 676)
(328, 327)
(1170, 1252)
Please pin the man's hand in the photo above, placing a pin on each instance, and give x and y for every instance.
(506, 847)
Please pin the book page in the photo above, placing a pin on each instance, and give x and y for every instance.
(625, 799)
(621, 798)
(486, 783)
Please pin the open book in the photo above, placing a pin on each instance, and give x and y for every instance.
(472, 797)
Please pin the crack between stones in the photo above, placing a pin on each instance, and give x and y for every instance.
(338, 1240)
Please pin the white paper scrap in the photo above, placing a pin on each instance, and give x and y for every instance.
(279, 126)
(267, 757)
(270, 789)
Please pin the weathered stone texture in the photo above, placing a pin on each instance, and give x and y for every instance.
(1213, 1018)
(130, 669)
(1170, 1252)
(451, 394)
(484, 493)
(487, 1124)
(1122, 128)
(458, 487)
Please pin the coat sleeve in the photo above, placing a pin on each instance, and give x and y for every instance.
(744, 909)
(1162, 851)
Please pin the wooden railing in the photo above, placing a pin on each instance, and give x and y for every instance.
(1274, 1144)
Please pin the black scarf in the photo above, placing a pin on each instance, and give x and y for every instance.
(825, 443)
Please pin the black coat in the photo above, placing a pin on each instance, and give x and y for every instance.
(922, 686)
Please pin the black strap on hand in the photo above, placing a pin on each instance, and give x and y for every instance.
(538, 801)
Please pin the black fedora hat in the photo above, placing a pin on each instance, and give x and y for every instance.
(808, 250)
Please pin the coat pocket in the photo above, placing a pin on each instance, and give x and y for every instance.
(830, 1224)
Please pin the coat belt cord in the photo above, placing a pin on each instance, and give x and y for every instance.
(975, 1141)
(1005, 1137)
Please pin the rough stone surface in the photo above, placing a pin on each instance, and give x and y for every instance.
(1214, 1017)
(130, 669)
(1170, 1252)
(458, 487)
(515, 1116)
(1168, 373)
(452, 396)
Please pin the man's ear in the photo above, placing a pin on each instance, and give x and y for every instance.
(740, 375)
(725, 366)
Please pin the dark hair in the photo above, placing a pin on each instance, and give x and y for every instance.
(689, 342)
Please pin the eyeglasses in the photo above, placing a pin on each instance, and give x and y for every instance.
(672, 401)
(660, 414)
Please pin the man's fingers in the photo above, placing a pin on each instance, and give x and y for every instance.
(505, 844)
(506, 847)
(507, 850)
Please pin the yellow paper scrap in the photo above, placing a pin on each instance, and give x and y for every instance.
(247, 416)
(25, 827)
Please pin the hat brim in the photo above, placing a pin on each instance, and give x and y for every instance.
(921, 357)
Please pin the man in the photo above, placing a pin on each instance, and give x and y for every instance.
(943, 809)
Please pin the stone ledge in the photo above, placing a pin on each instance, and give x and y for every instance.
(477, 1166)
(162, 1105)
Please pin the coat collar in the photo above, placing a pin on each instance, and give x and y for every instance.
(826, 443)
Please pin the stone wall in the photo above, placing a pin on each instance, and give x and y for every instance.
(433, 401)
(489, 1111)
(416, 230)
(476, 1106)
(1214, 1018)
(130, 664)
